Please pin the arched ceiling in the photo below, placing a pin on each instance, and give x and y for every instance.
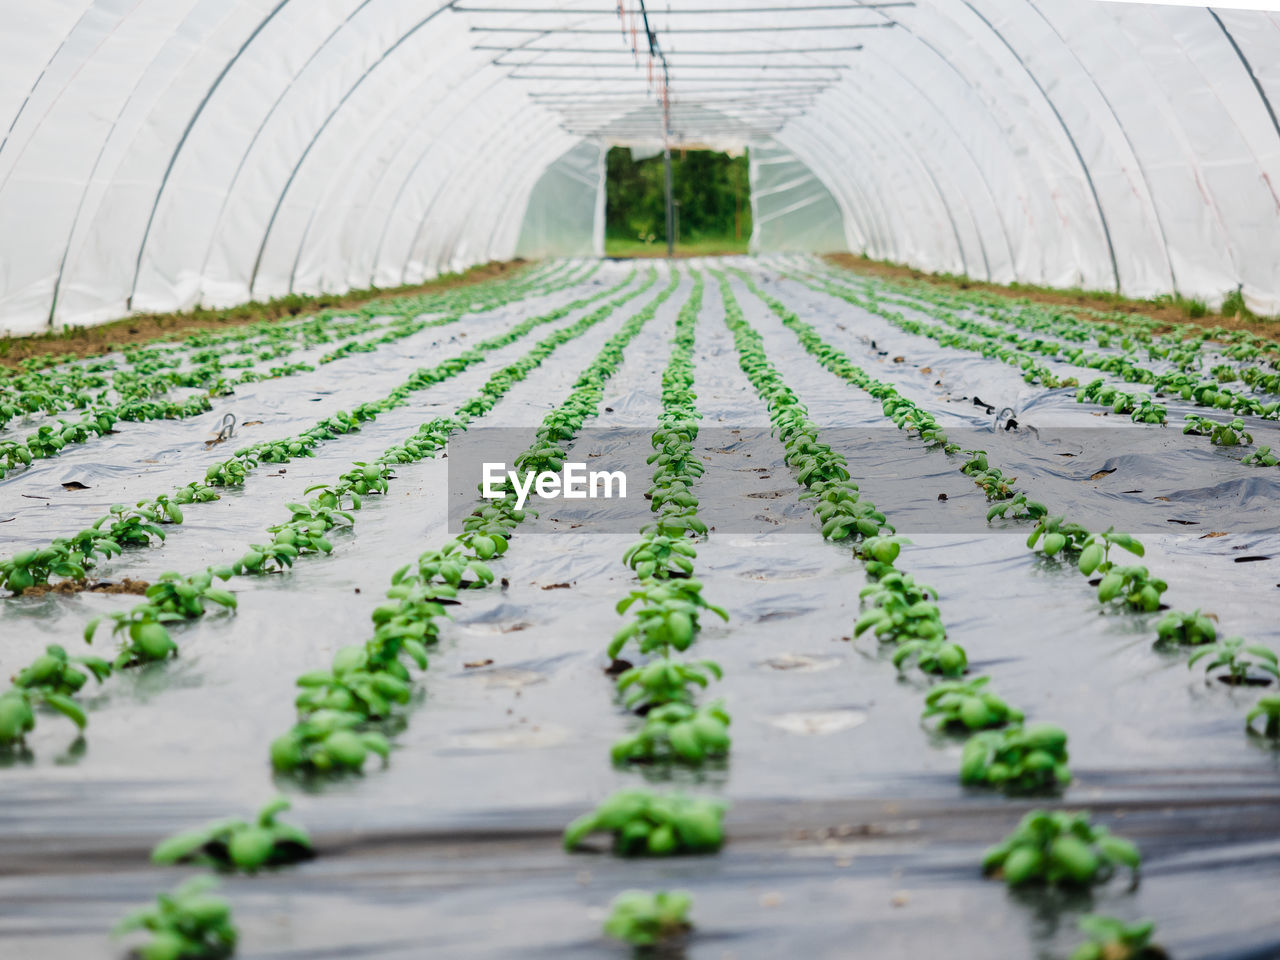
(159, 153)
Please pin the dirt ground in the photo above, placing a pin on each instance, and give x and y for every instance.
(125, 585)
(1169, 313)
(88, 341)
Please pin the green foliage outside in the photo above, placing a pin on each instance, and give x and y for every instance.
(711, 189)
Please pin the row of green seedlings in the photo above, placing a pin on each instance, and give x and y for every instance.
(980, 338)
(148, 371)
(346, 711)
(1000, 750)
(177, 343)
(1204, 392)
(1132, 587)
(664, 619)
(1180, 347)
(142, 402)
(143, 631)
(144, 524)
(1142, 408)
(140, 391)
(141, 399)
(1231, 433)
(409, 315)
(144, 373)
(69, 375)
(415, 313)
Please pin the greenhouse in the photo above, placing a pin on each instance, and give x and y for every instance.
(722, 479)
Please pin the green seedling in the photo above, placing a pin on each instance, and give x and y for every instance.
(187, 924)
(142, 635)
(134, 527)
(645, 823)
(995, 484)
(350, 686)
(1095, 553)
(1262, 457)
(664, 681)
(1191, 629)
(977, 463)
(366, 478)
(939, 657)
(233, 471)
(316, 516)
(451, 565)
(682, 524)
(842, 512)
(276, 556)
(237, 845)
(900, 611)
(1229, 434)
(1017, 759)
(282, 451)
(162, 509)
(51, 680)
(13, 454)
(1133, 584)
(487, 532)
(1018, 508)
(1058, 848)
(645, 919)
(195, 492)
(666, 618)
(678, 732)
(1146, 410)
(968, 705)
(54, 672)
(671, 493)
(1240, 661)
(408, 624)
(186, 596)
(18, 717)
(882, 551)
(45, 442)
(327, 741)
(1112, 939)
(661, 557)
(1055, 535)
(1269, 709)
(31, 567)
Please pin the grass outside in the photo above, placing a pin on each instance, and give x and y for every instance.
(139, 328)
(623, 248)
(1173, 310)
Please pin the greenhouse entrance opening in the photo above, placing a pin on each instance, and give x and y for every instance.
(711, 200)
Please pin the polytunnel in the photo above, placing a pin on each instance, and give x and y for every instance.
(163, 154)
(413, 544)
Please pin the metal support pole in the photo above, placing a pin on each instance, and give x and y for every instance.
(671, 237)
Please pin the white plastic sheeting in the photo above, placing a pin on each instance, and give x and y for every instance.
(155, 154)
(565, 215)
(161, 153)
(1130, 147)
(791, 209)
